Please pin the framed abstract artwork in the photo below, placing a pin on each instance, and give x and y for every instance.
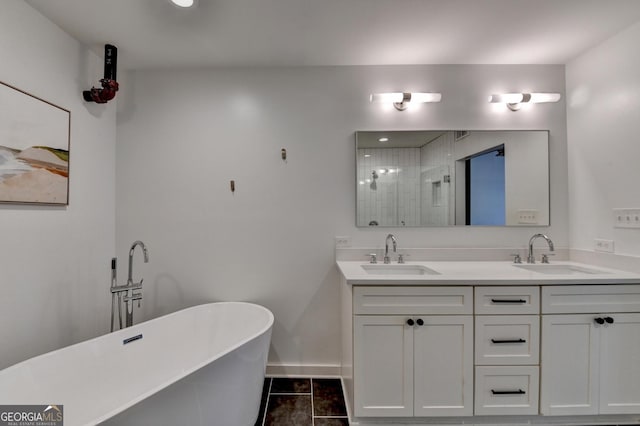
(34, 149)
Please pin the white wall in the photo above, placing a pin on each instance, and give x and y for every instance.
(603, 115)
(54, 261)
(183, 135)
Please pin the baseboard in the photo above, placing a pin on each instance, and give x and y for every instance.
(595, 420)
(303, 370)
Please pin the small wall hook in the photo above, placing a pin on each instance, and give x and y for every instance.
(233, 185)
(283, 153)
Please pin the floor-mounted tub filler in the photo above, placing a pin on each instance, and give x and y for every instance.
(203, 365)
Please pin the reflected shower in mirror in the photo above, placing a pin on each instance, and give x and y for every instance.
(454, 177)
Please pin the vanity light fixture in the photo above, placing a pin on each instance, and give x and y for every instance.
(515, 100)
(383, 140)
(401, 100)
(183, 3)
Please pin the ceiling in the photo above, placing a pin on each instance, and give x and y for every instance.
(228, 33)
(397, 139)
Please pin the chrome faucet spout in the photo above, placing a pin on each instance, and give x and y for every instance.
(130, 293)
(531, 258)
(131, 250)
(394, 241)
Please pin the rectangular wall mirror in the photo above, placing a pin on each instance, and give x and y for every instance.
(452, 177)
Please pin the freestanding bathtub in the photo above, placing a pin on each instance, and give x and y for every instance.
(203, 365)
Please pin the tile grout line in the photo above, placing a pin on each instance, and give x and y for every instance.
(344, 417)
(313, 419)
(291, 393)
(266, 405)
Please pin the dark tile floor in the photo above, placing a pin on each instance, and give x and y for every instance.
(302, 402)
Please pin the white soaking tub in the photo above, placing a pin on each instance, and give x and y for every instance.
(203, 365)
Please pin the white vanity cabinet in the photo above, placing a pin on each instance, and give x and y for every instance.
(590, 353)
(412, 351)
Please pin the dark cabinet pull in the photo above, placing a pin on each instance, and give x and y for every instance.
(509, 392)
(508, 341)
(599, 320)
(508, 301)
(420, 322)
(410, 322)
(609, 320)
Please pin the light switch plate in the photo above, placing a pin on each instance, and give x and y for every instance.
(528, 217)
(626, 218)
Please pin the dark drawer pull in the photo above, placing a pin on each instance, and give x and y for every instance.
(508, 301)
(508, 392)
(508, 341)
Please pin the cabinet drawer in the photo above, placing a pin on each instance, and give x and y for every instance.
(506, 390)
(576, 299)
(381, 300)
(508, 340)
(507, 300)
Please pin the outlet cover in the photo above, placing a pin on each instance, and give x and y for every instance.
(343, 242)
(603, 245)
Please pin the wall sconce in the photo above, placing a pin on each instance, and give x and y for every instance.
(183, 3)
(401, 100)
(515, 100)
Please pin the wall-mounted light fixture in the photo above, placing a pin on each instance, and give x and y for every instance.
(515, 100)
(401, 100)
(183, 3)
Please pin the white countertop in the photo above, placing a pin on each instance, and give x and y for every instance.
(484, 273)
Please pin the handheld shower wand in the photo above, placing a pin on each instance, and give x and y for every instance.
(114, 283)
(373, 184)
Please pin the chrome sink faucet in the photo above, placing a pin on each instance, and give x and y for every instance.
(530, 258)
(386, 247)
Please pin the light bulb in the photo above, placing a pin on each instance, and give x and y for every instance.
(183, 3)
(544, 97)
(507, 98)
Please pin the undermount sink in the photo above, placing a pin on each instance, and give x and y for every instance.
(398, 270)
(560, 269)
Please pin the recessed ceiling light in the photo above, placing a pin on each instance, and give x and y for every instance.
(183, 3)
(383, 140)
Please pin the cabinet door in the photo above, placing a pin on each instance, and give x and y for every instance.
(443, 363)
(620, 365)
(569, 365)
(383, 366)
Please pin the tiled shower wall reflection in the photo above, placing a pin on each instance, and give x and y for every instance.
(437, 180)
(388, 190)
(407, 186)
